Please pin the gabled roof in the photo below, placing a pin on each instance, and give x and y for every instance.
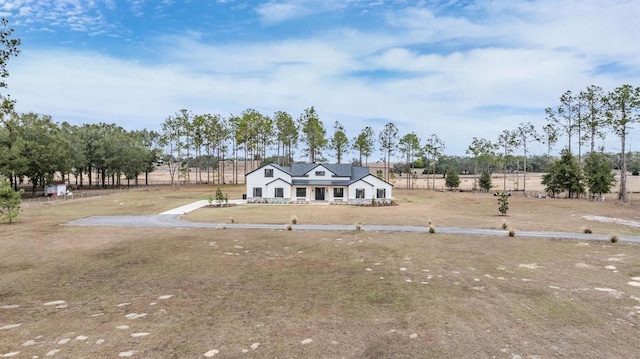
(354, 173)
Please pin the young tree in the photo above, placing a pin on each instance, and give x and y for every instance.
(598, 172)
(339, 141)
(503, 202)
(451, 179)
(388, 138)
(623, 109)
(313, 133)
(10, 201)
(364, 143)
(485, 181)
(564, 175)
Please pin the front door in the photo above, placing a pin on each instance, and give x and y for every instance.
(319, 193)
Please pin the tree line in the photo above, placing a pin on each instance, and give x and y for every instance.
(35, 148)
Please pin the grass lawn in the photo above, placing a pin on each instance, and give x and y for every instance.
(176, 293)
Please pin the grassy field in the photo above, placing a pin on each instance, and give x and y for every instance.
(163, 293)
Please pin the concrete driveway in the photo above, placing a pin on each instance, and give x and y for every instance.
(171, 219)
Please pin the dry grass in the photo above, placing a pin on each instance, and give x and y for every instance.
(356, 294)
(447, 209)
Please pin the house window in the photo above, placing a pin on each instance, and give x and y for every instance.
(359, 192)
(301, 192)
(257, 191)
(279, 192)
(268, 172)
(381, 193)
(338, 192)
(320, 173)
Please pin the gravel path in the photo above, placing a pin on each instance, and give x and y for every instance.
(171, 219)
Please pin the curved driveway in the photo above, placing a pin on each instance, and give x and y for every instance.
(171, 219)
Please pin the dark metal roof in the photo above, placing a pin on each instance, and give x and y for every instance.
(354, 173)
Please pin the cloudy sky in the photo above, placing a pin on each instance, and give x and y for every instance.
(458, 69)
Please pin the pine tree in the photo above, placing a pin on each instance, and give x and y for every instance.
(452, 180)
(10, 201)
(485, 181)
(564, 175)
(598, 173)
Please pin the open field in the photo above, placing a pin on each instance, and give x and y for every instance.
(94, 292)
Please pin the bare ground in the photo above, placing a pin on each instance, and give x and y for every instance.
(159, 293)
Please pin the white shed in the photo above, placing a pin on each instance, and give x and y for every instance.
(55, 189)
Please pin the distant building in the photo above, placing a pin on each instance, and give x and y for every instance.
(305, 182)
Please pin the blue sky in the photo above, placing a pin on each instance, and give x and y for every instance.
(458, 69)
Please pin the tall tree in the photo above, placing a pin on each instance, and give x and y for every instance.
(481, 149)
(551, 136)
(364, 143)
(287, 136)
(433, 149)
(313, 133)
(410, 145)
(172, 140)
(623, 109)
(524, 134)
(339, 141)
(388, 138)
(564, 116)
(507, 141)
(8, 49)
(594, 114)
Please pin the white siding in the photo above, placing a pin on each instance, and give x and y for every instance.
(271, 189)
(257, 179)
(370, 184)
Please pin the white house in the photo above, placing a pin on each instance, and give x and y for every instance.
(305, 182)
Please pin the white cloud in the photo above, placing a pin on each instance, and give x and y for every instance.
(497, 70)
(277, 11)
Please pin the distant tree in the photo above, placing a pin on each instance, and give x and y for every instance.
(594, 114)
(551, 136)
(339, 141)
(172, 141)
(287, 136)
(525, 133)
(623, 109)
(312, 132)
(564, 175)
(364, 143)
(451, 179)
(485, 181)
(433, 150)
(598, 172)
(507, 141)
(388, 138)
(10, 201)
(481, 149)
(410, 146)
(564, 116)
